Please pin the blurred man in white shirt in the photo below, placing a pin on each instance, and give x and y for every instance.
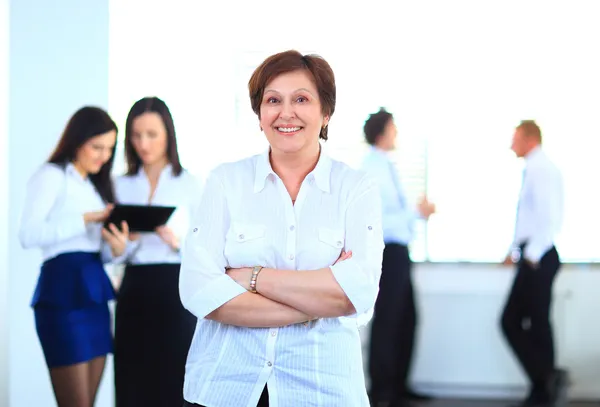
(395, 319)
(526, 317)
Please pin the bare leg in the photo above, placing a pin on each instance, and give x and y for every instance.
(96, 368)
(71, 385)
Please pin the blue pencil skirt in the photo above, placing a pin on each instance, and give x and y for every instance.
(70, 303)
(69, 337)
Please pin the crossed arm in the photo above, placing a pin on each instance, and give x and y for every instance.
(349, 287)
(284, 297)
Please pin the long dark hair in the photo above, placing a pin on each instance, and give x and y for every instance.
(88, 122)
(151, 105)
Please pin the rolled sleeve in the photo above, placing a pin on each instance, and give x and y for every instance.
(360, 287)
(203, 284)
(359, 276)
(211, 295)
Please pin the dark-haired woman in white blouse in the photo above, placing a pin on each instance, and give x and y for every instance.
(68, 199)
(153, 331)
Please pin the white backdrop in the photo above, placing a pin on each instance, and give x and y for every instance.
(457, 77)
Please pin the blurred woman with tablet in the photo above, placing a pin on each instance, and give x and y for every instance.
(153, 331)
(67, 200)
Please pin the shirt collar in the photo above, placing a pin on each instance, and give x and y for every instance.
(71, 170)
(168, 170)
(379, 154)
(321, 174)
(535, 152)
(377, 150)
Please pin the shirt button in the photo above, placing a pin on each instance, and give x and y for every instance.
(269, 364)
(339, 244)
(195, 229)
(241, 237)
(273, 333)
(292, 227)
(291, 257)
(370, 227)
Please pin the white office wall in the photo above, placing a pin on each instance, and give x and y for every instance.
(458, 76)
(4, 32)
(461, 351)
(58, 63)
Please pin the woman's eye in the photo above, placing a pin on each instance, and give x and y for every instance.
(272, 100)
(301, 99)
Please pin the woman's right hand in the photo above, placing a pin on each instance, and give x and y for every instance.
(98, 216)
(343, 256)
(116, 239)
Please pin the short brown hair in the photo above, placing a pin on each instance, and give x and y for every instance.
(290, 61)
(531, 129)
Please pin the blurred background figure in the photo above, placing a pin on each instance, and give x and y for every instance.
(394, 323)
(526, 317)
(67, 201)
(152, 329)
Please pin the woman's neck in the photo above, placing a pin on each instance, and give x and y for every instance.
(154, 170)
(80, 170)
(297, 165)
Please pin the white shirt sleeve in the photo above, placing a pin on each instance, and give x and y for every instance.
(359, 276)
(203, 284)
(196, 190)
(36, 230)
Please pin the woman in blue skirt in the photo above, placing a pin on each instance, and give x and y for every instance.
(68, 199)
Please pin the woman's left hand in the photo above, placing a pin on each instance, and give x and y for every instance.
(241, 276)
(167, 235)
(117, 239)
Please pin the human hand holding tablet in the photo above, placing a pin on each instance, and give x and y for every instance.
(140, 218)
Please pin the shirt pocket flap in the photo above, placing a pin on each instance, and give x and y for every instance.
(243, 232)
(332, 237)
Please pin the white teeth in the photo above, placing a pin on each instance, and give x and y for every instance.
(288, 129)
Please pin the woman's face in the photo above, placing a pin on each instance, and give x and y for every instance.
(95, 152)
(149, 138)
(290, 113)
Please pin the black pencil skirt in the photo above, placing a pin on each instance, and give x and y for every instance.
(153, 333)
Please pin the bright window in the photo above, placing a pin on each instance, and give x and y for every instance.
(458, 79)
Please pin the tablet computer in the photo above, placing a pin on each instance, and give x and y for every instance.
(140, 218)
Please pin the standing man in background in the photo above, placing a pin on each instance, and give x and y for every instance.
(526, 317)
(394, 321)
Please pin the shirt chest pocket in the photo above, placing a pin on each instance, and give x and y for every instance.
(245, 244)
(247, 232)
(330, 245)
(332, 238)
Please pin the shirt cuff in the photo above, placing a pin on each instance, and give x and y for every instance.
(363, 319)
(214, 294)
(357, 285)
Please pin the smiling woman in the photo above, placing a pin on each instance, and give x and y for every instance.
(283, 257)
